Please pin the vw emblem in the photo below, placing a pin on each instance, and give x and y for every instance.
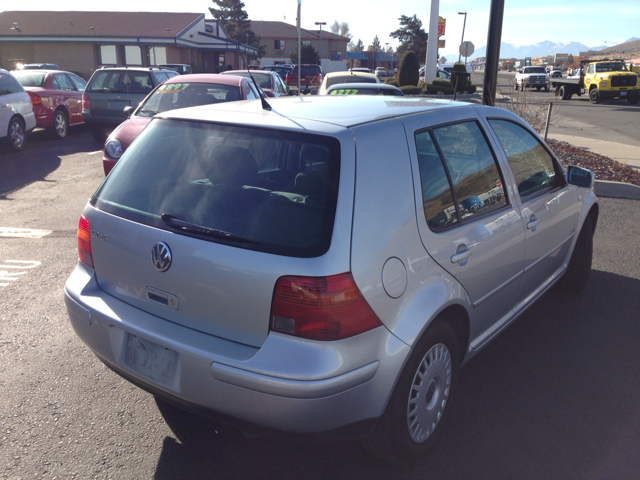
(161, 256)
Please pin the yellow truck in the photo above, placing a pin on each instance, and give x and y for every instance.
(605, 79)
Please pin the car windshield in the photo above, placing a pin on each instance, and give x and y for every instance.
(535, 70)
(365, 91)
(267, 190)
(611, 67)
(349, 79)
(29, 78)
(120, 81)
(171, 96)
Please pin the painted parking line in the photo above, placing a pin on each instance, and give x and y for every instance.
(94, 153)
(16, 268)
(23, 232)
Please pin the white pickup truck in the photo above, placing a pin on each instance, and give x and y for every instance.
(532, 77)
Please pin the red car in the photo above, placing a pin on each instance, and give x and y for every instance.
(311, 77)
(56, 98)
(270, 82)
(180, 91)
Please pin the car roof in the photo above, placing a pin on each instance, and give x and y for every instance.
(207, 78)
(257, 72)
(348, 72)
(377, 86)
(137, 69)
(345, 111)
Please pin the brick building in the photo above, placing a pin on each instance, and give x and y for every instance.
(84, 41)
(281, 41)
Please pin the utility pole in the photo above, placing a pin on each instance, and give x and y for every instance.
(320, 43)
(494, 37)
(299, 45)
(462, 41)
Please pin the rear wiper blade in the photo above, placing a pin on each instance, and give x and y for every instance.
(183, 226)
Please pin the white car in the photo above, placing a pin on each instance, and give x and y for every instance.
(16, 112)
(381, 72)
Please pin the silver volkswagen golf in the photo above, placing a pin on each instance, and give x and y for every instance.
(325, 266)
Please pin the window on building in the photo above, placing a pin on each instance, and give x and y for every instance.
(278, 44)
(132, 55)
(157, 55)
(107, 54)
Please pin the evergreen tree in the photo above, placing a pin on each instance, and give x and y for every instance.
(235, 21)
(375, 45)
(308, 55)
(357, 47)
(408, 73)
(412, 36)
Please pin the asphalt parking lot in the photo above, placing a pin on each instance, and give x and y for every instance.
(555, 396)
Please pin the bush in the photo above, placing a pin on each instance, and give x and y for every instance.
(444, 83)
(410, 90)
(435, 88)
(392, 81)
(409, 71)
(459, 74)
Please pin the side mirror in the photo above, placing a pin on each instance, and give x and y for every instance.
(128, 110)
(580, 177)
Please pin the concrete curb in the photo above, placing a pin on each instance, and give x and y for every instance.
(625, 191)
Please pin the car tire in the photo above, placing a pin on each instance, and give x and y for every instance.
(418, 406)
(594, 96)
(60, 126)
(546, 89)
(538, 88)
(634, 100)
(17, 135)
(576, 277)
(517, 86)
(99, 134)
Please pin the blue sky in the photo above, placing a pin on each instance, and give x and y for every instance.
(589, 22)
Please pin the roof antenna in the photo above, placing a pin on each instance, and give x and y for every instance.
(265, 105)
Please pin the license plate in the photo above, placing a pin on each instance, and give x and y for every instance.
(118, 104)
(622, 94)
(151, 360)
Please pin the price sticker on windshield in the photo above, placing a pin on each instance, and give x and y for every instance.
(344, 91)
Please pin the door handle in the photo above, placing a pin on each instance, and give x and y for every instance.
(458, 257)
(533, 223)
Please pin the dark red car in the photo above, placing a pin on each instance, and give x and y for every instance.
(180, 91)
(56, 98)
(311, 77)
(270, 82)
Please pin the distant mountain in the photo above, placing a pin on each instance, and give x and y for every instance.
(508, 50)
(632, 39)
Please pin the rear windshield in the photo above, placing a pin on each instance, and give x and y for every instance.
(314, 69)
(261, 79)
(349, 79)
(29, 78)
(251, 188)
(120, 81)
(170, 96)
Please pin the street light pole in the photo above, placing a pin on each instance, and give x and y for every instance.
(462, 41)
(299, 45)
(320, 43)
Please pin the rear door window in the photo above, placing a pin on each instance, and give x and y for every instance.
(459, 174)
(120, 81)
(252, 188)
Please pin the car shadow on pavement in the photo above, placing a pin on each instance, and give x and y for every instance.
(41, 157)
(555, 396)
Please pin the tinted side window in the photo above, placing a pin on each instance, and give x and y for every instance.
(533, 168)
(79, 82)
(160, 76)
(9, 85)
(437, 199)
(473, 171)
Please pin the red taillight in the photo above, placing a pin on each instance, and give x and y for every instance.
(86, 102)
(321, 308)
(84, 242)
(35, 98)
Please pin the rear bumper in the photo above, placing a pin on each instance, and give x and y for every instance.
(287, 384)
(102, 120)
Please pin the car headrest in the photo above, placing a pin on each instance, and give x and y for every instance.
(311, 155)
(231, 167)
